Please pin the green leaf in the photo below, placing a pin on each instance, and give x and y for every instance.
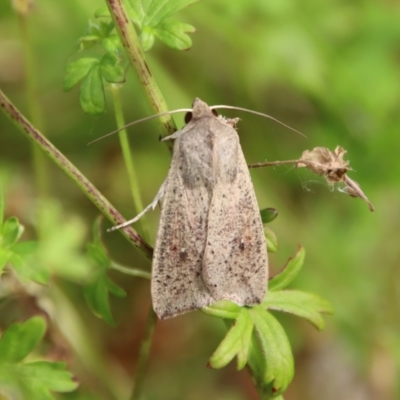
(100, 28)
(115, 289)
(10, 232)
(28, 269)
(44, 376)
(92, 93)
(161, 9)
(302, 304)
(279, 363)
(102, 12)
(97, 298)
(20, 339)
(222, 309)
(111, 70)
(232, 344)
(271, 239)
(77, 70)
(147, 38)
(25, 248)
(289, 272)
(135, 11)
(36, 380)
(173, 34)
(243, 353)
(112, 44)
(60, 247)
(5, 255)
(88, 41)
(268, 215)
(97, 291)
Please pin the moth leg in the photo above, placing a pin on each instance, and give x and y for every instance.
(172, 137)
(151, 206)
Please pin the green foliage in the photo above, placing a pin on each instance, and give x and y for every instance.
(256, 338)
(60, 247)
(100, 286)
(19, 254)
(93, 72)
(154, 22)
(267, 216)
(35, 380)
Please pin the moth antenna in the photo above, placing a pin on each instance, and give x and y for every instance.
(142, 120)
(260, 114)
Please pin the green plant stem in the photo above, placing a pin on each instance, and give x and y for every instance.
(144, 355)
(126, 152)
(35, 115)
(131, 271)
(130, 41)
(71, 171)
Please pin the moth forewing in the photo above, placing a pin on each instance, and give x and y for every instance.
(235, 264)
(177, 285)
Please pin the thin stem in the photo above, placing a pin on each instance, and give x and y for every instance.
(131, 271)
(144, 356)
(275, 163)
(106, 208)
(34, 112)
(127, 155)
(131, 43)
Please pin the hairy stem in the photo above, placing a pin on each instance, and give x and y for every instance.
(71, 171)
(130, 41)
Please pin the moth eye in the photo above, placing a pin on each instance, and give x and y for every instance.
(214, 112)
(188, 117)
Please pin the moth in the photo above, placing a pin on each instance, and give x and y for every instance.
(210, 243)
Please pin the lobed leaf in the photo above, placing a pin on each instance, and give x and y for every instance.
(279, 363)
(88, 41)
(92, 93)
(271, 239)
(112, 44)
(289, 272)
(97, 291)
(29, 269)
(222, 309)
(10, 232)
(158, 10)
(38, 379)
(20, 339)
(302, 304)
(147, 38)
(173, 34)
(102, 12)
(111, 70)
(135, 11)
(25, 248)
(243, 353)
(77, 70)
(234, 341)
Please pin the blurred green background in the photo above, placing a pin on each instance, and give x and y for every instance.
(329, 69)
